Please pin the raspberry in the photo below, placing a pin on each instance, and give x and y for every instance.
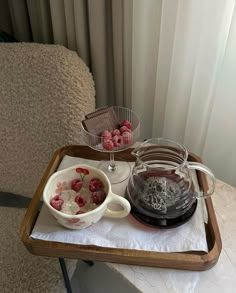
(76, 184)
(98, 196)
(79, 212)
(56, 202)
(95, 184)
(124, 129)
(127, 138)
(106, 134)
(117, 140)
(126, 123)
(115, 132)
(108, 145)
(80, 200)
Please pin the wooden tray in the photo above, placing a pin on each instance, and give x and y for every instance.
(190, 260)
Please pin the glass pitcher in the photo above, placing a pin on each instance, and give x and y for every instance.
(161, 190)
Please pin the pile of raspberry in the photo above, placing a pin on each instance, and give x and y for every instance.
(117, 137)
(71, 201)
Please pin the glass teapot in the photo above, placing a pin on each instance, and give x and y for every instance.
(161, 190)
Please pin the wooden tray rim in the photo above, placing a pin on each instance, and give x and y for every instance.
(192, 260)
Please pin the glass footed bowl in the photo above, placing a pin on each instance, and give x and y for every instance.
(116, 171)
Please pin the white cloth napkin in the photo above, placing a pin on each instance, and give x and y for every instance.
(125, 233)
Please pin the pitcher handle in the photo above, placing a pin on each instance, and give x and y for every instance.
(114, 198)
(211, 176)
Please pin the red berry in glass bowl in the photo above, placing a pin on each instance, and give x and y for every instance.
(127, 138)
(80, 200)
(126, 123)
(106, 134)
(115, 132)
(124, 129)
(98, 196)
(108, 145)
(95, 184)
(76, 184)
(117, 140)
(56, 202)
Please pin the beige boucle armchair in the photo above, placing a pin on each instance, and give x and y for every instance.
(45, 90)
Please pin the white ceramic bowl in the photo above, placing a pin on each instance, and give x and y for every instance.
(61, 180)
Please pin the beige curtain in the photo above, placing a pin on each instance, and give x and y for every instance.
(184, 76)
(172, 61)
(95, 29)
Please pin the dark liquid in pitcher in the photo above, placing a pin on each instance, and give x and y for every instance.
(161, 201)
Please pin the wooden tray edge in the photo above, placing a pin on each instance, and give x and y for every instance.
(212, 256)
(185, 261)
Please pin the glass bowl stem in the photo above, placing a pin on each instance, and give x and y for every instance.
(112, 165)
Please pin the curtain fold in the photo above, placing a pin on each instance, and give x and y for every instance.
(220, 143)
(145, 48)
(173, 62)
(20, 20)
(5, 17)
(40, 21)
(81, 27)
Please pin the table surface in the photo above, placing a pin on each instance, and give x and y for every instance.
(220, 278)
